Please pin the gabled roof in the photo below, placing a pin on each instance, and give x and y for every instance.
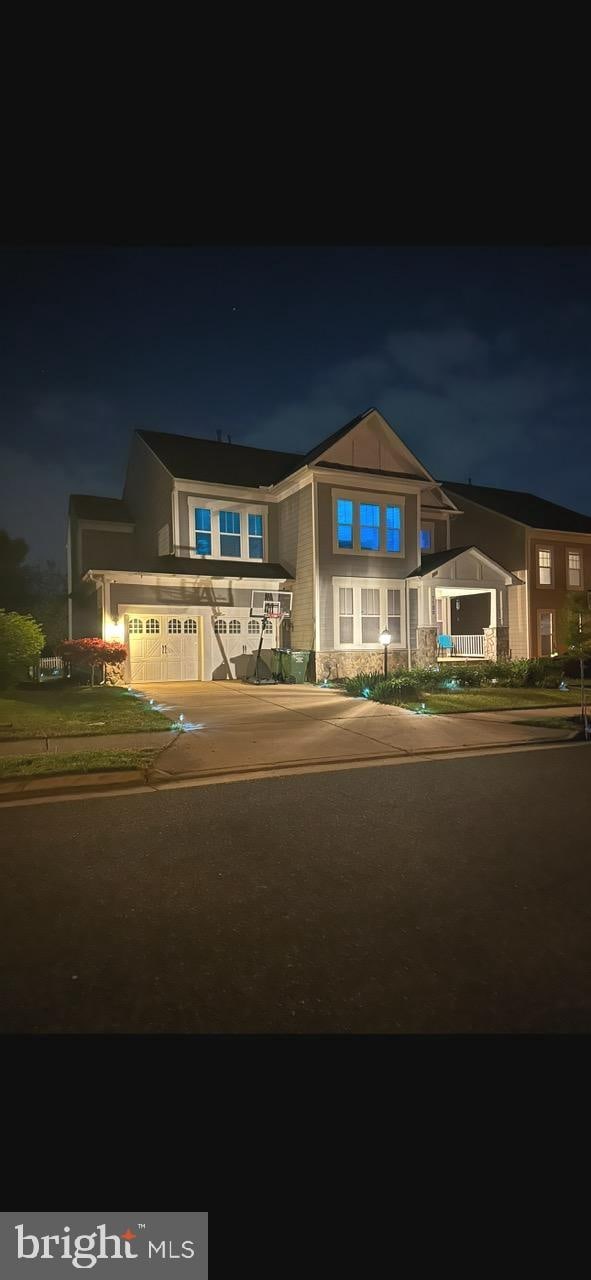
(435, 559)
(89, 507)
(336, 435)
(526, 508)
(213, 461)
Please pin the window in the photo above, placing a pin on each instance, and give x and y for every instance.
(544, 566)
(394, 626)
(267, 625)
(136, 626)
(345, 615)
(365, 524)
(344, 524)
(230, 533)
(426, 537)
(393, 529)
(255, 536)
(545, 632)
(234, 627)
(370, 615)
(152, 626)
(253, 626)
(219, 626)
(361, 612)
(575, 569)
(190, 627)
(202, 531)
(174, 626)
(369, 526)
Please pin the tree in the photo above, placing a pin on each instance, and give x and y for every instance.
(92, 652)
(14, 576)
(575, 634)
(48, 601)
(21, 642)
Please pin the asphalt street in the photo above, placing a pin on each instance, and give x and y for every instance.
(445, 896)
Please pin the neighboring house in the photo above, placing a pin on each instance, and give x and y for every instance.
(546, 546)
(357, 529)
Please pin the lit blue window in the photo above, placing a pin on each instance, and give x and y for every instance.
(425, 539)
(369, 526)
(255, 537)
(203, 531)
(393, 531)
(345, 524)
(230, 533)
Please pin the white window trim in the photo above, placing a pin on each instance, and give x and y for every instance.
(215, 505)
(544, 586)
(383, 585)
(552, 613)
(381, 500)
(575, 551)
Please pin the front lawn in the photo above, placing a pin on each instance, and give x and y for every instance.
(497, 699)
(69, 712)
(78, 762)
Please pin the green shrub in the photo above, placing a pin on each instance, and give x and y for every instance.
(396, 690)
(356, 685)
(21, 642)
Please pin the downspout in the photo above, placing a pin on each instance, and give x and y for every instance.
(407, 622)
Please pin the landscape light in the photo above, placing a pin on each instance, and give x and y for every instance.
(365, 693)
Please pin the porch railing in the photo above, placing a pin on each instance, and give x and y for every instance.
(47, 668)
(468, 646)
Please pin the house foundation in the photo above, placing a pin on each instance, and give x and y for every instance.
(338, 664)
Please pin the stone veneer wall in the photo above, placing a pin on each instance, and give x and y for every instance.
(496, 644)
(335, 664)
(426, 646)
(114, 673)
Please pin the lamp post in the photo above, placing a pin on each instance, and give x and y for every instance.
(385, 639)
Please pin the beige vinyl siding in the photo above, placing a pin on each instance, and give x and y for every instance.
(148, 490)
(295, 551)
(102, 548)
(517, 621)
(501, 539)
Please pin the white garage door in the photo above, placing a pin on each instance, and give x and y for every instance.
(235, 643)
(163, 647)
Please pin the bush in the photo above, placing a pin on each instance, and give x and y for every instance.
(21, 642)
(356, 685)
(91, 652)
(396, 690)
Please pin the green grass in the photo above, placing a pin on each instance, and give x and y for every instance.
(78, 762)
(55, 713)
(497, 699)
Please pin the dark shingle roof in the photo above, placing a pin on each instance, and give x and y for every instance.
(127, 562)
(88, 507)
(528, 509)
(189, 458)
(435, 558)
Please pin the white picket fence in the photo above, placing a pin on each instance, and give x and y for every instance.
(47, 668)
(468, 646)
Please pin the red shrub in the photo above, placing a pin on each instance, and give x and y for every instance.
(92, 652)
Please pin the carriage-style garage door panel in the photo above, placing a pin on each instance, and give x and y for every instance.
(163, 646)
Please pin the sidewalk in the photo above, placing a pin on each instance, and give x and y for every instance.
(155, 740)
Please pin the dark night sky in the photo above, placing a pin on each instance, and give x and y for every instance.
(479, 357)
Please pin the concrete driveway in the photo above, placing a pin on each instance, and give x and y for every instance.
(234, 726)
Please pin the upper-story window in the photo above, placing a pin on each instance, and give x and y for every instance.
(366, 525)
(575, 570)
(427, 536)
(545, 568)
(228, 533)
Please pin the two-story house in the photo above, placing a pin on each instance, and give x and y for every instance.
(546, 546)
(357, 529)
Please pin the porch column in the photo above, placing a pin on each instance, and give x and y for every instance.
(426, 646)
(496, 643)
(493, 608)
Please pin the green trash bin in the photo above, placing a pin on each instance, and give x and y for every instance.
(295, 665)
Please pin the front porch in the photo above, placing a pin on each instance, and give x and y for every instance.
(462, 608)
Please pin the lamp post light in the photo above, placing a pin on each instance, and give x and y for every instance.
(385, 639)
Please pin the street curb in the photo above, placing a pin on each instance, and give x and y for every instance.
(164, 778)
(153, 777)
(17, 788)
